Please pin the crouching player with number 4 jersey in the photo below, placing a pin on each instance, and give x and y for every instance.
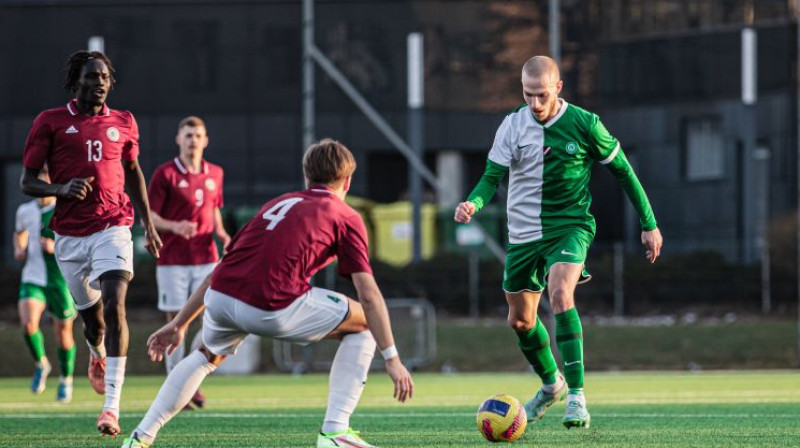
(549, 148)
(261, 287)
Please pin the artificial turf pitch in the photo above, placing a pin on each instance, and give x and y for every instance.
(708, 409)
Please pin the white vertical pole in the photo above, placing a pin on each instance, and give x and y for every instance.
(96, 43)
(416, 102)
(308, 75)
(797, 115)
(554, 9)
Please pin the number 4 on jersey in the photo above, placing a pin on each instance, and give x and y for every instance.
(277, 212)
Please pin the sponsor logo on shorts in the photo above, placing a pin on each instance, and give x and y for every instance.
(334, 299)
(564, 252)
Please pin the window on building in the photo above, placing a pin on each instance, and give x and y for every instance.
(705, 156)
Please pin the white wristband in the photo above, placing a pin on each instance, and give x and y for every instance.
(389, 353)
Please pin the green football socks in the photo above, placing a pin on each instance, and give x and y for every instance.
(66, 361)
(35, 343)
(535, 345)
(569, 337)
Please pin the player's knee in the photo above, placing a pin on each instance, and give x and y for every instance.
(30, 327)
(211, 357)
(521, 325)
(560, 299)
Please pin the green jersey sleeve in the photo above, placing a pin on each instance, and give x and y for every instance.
(604, 146)
(627, 179)
(487, 185)
(606, 150)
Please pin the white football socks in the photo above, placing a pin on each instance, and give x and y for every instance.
(115, 376)
(170, 361)
(347, 378)
(176, 392)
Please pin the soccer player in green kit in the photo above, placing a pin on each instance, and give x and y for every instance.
(549, 148)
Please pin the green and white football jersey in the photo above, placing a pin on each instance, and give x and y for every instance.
(41, 268)
(550, 167)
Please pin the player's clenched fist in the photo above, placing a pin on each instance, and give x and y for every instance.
(77, 188)
(464, 212)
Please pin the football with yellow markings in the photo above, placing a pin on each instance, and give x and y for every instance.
(501, 418)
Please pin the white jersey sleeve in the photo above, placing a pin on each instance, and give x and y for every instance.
(29, 217)
(502, 151)
(19, 222)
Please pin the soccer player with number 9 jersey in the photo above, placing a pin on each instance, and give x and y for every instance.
(185, 196)
(92, 153)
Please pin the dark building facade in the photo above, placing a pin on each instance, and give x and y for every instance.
(664, 76)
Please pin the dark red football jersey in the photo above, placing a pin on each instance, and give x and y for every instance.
(77, 145)
(273, 257)
(176, 194)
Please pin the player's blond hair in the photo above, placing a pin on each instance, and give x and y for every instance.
(328, 162)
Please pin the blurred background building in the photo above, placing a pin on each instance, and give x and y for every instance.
(665, 76)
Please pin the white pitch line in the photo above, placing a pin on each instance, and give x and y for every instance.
(232, 415)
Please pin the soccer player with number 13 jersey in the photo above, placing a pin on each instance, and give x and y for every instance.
(92, 153)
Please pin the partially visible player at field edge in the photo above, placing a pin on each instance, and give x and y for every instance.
(91, 151)
(262, 287)
(43, 287)
(549, 148)
(185, 197)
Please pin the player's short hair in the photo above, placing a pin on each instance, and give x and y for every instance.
(191, 121)
(328, 162)
(75, 63)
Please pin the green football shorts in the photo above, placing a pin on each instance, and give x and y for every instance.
(528, 264)
(57, 298)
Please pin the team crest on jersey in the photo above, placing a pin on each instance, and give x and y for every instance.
(211, 185)
(183, 184)
(571, 148)
(113, 134)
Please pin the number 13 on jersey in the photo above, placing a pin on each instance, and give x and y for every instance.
(277, 212)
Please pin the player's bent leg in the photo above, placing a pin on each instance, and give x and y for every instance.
(114, 287)
(569, 337)
(30, 313)
(94, 328)
(534, 342)
(174, 394)
(347, 378)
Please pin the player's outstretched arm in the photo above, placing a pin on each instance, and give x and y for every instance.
(169, 337)
(378, 322)
(137, 190)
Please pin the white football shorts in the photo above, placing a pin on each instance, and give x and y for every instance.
(83, 259)
(227, 321)
(177, 283)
